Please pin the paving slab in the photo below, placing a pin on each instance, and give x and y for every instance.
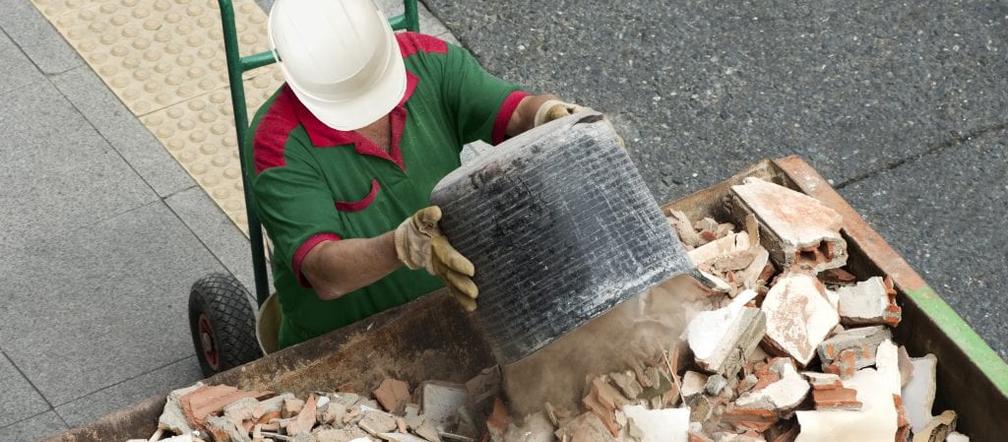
(36, 37)
(34, 428)
(155, 383)
(89, 308)
(16, 70)
(700, 89)
(195, 208)
(124, 132)
(945, 214)
(59, 173)
(20, 400)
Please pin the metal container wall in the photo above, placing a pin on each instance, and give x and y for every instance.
(560, 227)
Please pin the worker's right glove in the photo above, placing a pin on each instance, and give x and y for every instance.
(555, 109)
(419, 243)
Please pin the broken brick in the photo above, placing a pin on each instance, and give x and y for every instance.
(392, 394)
(863, 342)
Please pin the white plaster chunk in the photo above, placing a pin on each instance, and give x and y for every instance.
(863, 303)
(172, 419)
(798, 315)
(781, 396)
(919, 392)
(721, 339)
(887, 365)
(665, 425)
(693, 383)
(736, 242)
(957, 437)
(874, 422)
(535, 428)
(795, 228)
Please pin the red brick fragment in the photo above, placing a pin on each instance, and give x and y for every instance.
(393, 395)
(757, 419)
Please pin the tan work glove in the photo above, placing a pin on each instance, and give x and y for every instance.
(419, 243)
(555, 109)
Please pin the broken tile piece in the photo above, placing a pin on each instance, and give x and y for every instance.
(864, 341)
(781, 396)
(869, 302)
(207, 400)
(938, 428)
(798, 316)
(919, 392)
(876, 421)
(798, 230)
(667, 425)
(392, 394)
(305, 419)
(722, 339)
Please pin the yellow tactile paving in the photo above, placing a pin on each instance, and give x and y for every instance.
(165, 61)
(157, 53)
(199, 133)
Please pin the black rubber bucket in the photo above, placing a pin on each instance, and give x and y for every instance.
(560, 227)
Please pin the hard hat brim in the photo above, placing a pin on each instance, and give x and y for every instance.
(369, 104)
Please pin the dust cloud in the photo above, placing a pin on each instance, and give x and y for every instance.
(637, 330)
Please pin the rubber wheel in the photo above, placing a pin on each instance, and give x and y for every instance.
(222, 323)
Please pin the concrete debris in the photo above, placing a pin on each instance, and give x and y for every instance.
(722, 339)
(782, 396)
(938, 428)
(172, 418)
(687, 233)
(667, 425)
(715, 384)
(441, 401)
(798, 316)
(305, 419)
(586, 427)
(693, 383)
(627, 384)
(862, 341)
(800, 232)
(919, 392)
(869, 302)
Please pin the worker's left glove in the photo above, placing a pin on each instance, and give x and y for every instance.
(419, 243)
(555, 109)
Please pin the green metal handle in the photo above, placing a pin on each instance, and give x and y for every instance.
(238, 65)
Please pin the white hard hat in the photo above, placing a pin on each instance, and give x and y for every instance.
(340, 57)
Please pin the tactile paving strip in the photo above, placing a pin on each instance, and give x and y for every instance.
(200, 134)
(165, 61)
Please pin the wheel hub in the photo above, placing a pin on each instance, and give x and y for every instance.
(207, 340)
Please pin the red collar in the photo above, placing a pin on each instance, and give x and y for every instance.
(325, 136)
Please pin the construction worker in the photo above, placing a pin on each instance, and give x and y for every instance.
(346, 153)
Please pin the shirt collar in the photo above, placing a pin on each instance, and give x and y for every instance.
(325, 136)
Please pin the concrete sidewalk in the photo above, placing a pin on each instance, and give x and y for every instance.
(103, 235)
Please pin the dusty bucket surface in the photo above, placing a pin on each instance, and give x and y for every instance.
(560, 227)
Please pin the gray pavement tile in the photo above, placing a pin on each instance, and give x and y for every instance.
(34, 428)
(701, 89)
(37, 37)
(128, 136)
(58, 172)
(216, 230)
(20, 400)
(88, 308)
(155, 383)
(16, 70)
(945, 214)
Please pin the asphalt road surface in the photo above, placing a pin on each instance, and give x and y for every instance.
(900, 105)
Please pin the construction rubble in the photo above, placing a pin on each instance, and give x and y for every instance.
(793, 347)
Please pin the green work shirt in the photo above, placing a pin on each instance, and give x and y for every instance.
(313, 183)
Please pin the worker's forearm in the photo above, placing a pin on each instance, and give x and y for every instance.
(523, 117)
(335, 268)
